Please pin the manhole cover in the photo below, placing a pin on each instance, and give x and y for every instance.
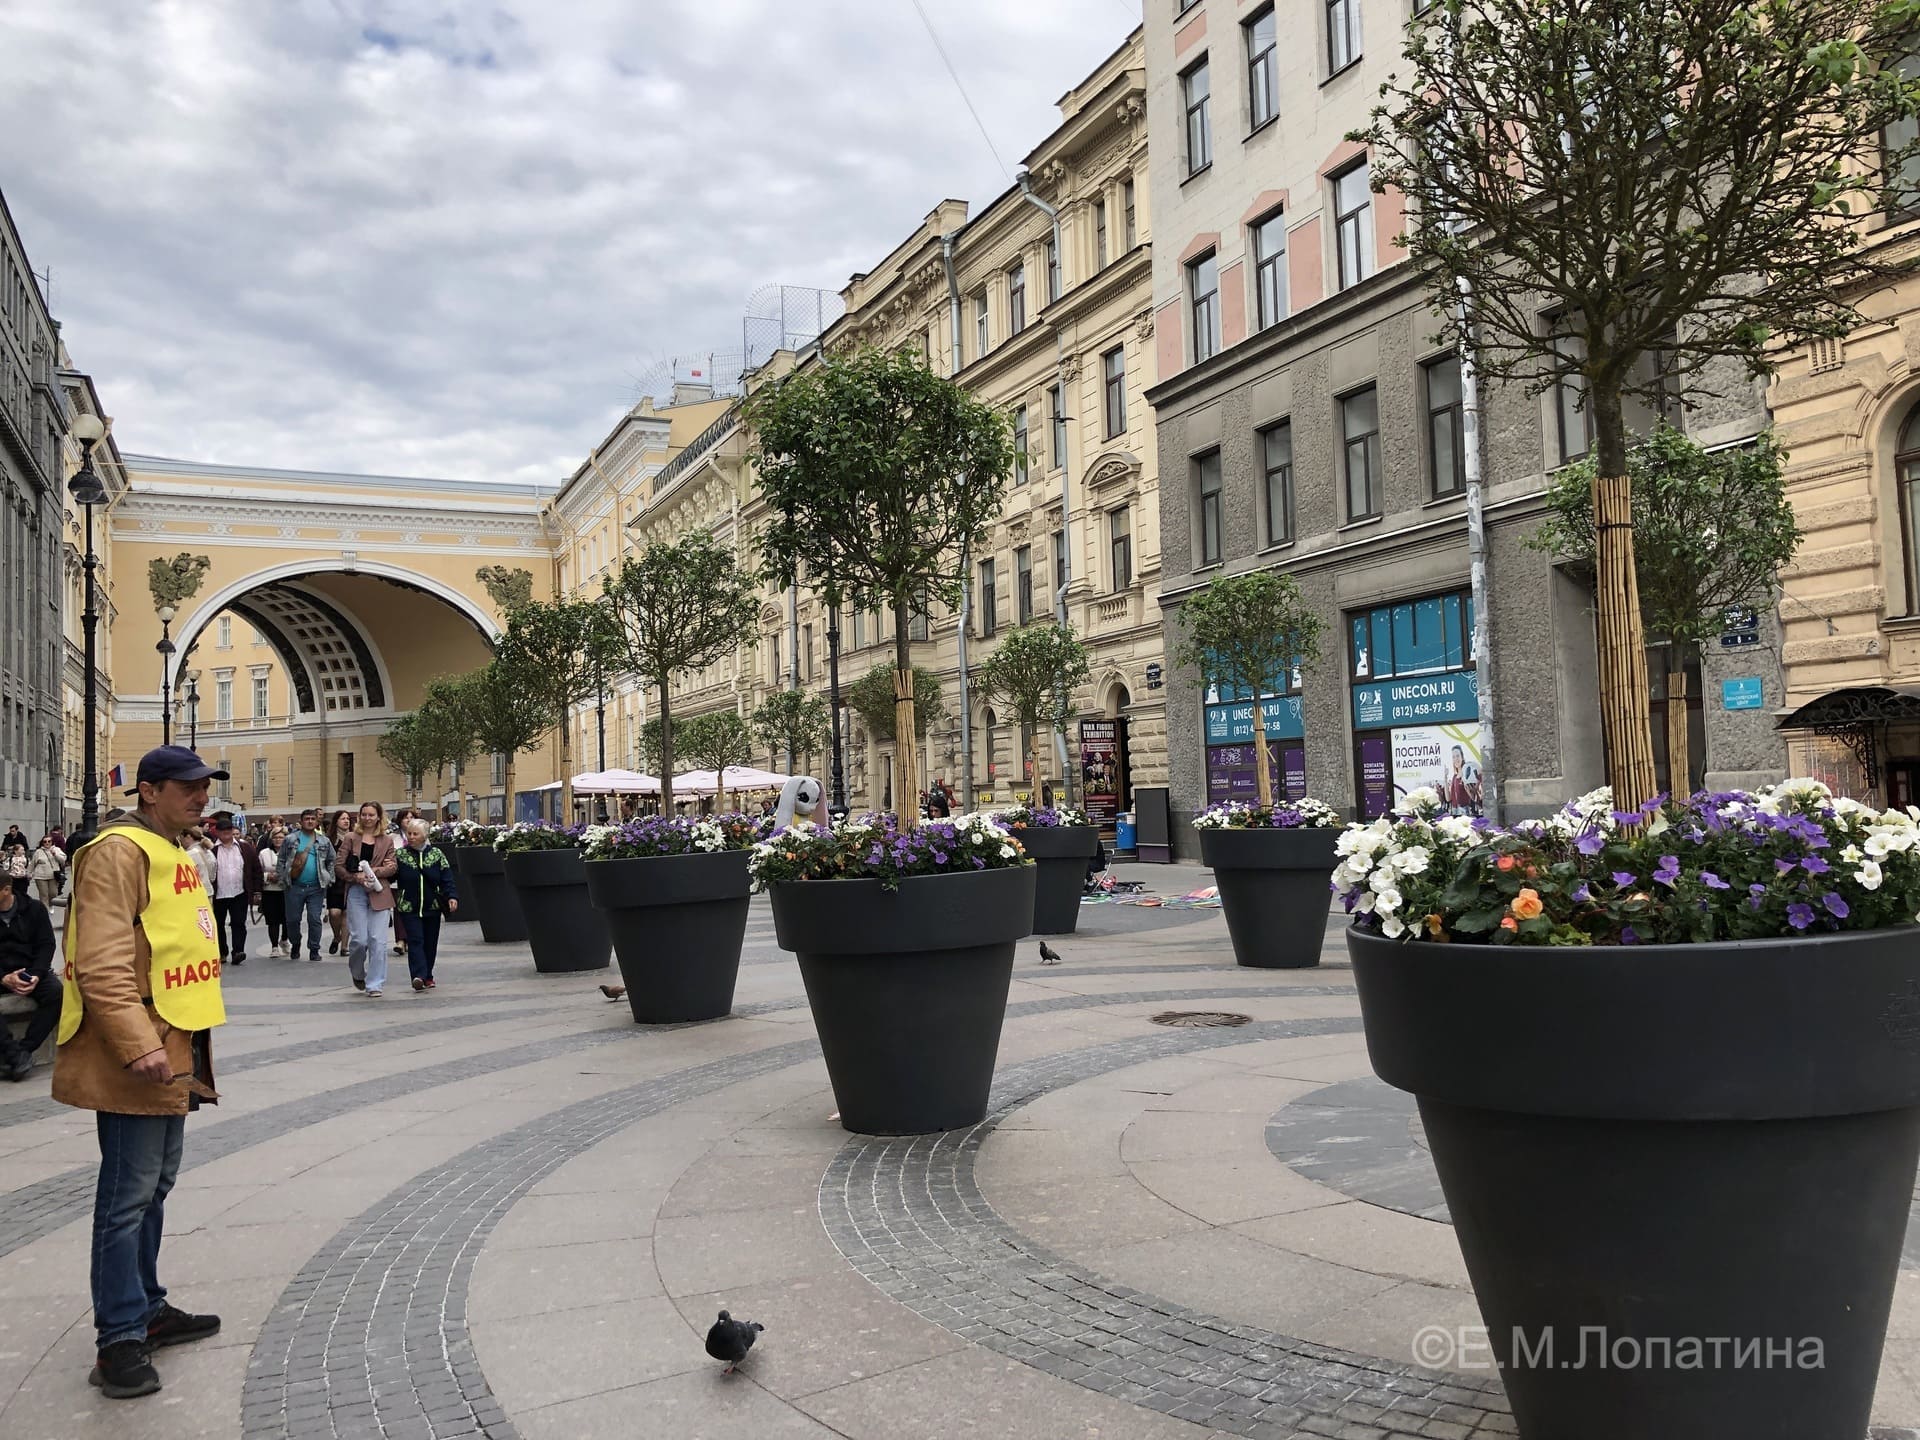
(1201, 1017)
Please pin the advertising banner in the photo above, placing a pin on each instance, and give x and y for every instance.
(1232, 723)
(1376, 776)
(1417, 700)
(1100, 770)
(1445, 758)
(1230, 773)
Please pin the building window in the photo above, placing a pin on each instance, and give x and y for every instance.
(989, 601)
(225, 624)
(259, 697)
(1100, 233)
(1120, 547)
(1570, 392)
(1897, 137)
(859, 630)
(1017, 299)
(776, 678)
(1206, 484)
(1059, 560)
(980, 325)
(1353, 224)
(258, 638)
(1196, 93)
(1113, 389)
(347, 786)
(1020, 446)
(1130, 233)
(1276, 459)
(1907, 467)
(1023, 583)
(1360, 429)
(223, 698)
(1270, 270)
(260, 779)
(1343, 34)
(917, 618)
(1446, 440)
(805, 657)
(1053, 268)
(497, 775)
(1263, 70)
(1203, 290)
(1057, 423)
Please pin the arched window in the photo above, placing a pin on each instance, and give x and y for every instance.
(1906, 467)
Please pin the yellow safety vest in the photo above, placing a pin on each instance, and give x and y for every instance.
(185, 946)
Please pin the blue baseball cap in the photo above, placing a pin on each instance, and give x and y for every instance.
(173, 762)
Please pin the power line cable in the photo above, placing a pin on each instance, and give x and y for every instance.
(965, 99)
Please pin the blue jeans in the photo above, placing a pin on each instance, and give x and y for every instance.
(310, 901)
(366, 939)
(423, 942)
(139, 1158)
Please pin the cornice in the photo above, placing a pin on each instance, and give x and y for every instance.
(149, 509)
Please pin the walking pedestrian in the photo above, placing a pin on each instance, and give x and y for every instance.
(202, 854)
(19, 866)
(47, 867)
(424, 890)
(400, 819)
(340, 832)
(236, 885)
(141, 1000)
(306, 870)
(364, 867)
(273, 892)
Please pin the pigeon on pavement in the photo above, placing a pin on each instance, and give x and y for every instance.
(1048, 955)
(613, 992)
(730, 1339)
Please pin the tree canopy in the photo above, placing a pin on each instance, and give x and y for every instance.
(716, 740)
(871, 697)
(1034, 671)
(791, 723)
(411, 748)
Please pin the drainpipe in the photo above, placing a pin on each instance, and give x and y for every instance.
(966, 579)
(1025, 182)
(1477, 570)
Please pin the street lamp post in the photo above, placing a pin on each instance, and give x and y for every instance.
(88, 492)
(837, 806)
(193, 709)
(165, 647)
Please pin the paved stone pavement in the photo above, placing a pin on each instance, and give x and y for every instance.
(502, 1209)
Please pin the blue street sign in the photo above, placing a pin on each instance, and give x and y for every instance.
(1744, 693)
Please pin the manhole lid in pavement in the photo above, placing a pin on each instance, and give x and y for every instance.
(1201, 1017)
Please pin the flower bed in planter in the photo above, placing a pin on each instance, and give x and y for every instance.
(488, 897)
(1061, 841)
(452, 836)
(674, 894)
(906, 944)
(1669, 1067)
(1271, 865)
(549, 878)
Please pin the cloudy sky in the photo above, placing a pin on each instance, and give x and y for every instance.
(454, 237)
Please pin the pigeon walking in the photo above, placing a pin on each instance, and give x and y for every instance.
(730, 1339)
(613, 992)
(1048, 955)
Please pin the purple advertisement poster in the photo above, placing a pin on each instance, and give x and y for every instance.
(1376, 776)
(1230, 774)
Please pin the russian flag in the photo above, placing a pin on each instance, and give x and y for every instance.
(115, 779)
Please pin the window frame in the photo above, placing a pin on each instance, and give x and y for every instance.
(989, 599)
(1099, 208)
(1204, 308)
(1113, 391)
(1456, 409)
(1349, 29)
(1209, 516)
(1120, 547)
(1269, 267)
(1023, 584)
(1016, 298)
(1282, 534)
(1129, 197)
(982, 323)
(1263, 69)
(1361, 218)
(262, 693)
(1907, 459)
(1198, 114)
(1056, 427)
(1055, 278)
(1022, 462)
(1369, 443)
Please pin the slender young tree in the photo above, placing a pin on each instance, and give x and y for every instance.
(1035, 670)
(443, 719)
(880, 475)
(410, 748)
(561, 650)
(1615, 194)
(1246, 631)
(791, 722)
(505, 712)
(714, 741)
(677, 607)
(1711, 530)
(871, 697)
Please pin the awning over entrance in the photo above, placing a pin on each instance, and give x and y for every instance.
(1858, 718)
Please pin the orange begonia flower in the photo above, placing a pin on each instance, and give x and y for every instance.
(1527, 904)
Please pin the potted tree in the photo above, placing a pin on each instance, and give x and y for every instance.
(882, 475)
(1034, 672)
(674, 894)
(448, 733)
(1271, 860)
(1730, 1164)
(714, 741)
(506, 719)
(560, 650)
(549, 879)
(872, 698)
(791, 723)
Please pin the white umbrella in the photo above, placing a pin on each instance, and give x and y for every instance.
(748, 777)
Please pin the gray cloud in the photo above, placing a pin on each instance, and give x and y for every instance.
(413, 236)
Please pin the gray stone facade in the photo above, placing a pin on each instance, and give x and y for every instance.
(1544, 707)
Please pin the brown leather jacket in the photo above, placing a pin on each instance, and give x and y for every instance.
(386, 862)
(119, 1025)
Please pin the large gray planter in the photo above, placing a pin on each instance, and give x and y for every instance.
(677, 923)
(1663, 1146)
(1060, 855)
(465, 910)
(1275, 887)
(908, 988)
(483, 883)
(563, 928)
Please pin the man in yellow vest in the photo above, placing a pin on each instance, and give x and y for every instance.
(141, 998)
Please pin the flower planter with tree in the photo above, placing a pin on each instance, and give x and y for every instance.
(549, 879)
(791, 724)
(674, 895)
(1668, 1064)
(501, 716)
(1060, 840)
(882, 477)
(1272, 865)
(560, 652)
(713, 741)
(466, 843)
(905, 940)
(873, 698)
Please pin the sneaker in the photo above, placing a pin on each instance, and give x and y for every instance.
(359, 984)
(124, 1370)
(239, 959)
(429, 984)
(171, 1325)
(419, 984)
(333, 947)
(373, 994)
(18, 1064)
(314, 959)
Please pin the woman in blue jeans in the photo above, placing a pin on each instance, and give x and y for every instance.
(366, 864)
(424, 890)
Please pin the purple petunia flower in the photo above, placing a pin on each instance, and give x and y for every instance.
(1581, 894)
(1591, 842)
(1784, 866)
(1713, 881)
(1814, 865)
(1625, 877)
(1799, 915)
(1669, 870)
(1629, 935)
(1836, 905)
(1756, 890)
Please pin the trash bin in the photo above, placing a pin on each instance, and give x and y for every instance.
(1123, 834)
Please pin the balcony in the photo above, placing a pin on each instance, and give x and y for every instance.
(1108, 614)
